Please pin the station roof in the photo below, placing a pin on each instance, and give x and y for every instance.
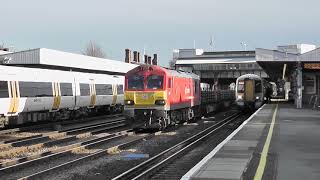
(53, 59)
(186, 57)
(273, 61)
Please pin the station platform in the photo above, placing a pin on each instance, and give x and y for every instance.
(277, 142)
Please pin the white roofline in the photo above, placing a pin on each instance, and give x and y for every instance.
(216, 61)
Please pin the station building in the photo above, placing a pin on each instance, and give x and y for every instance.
(298, 66)
(219, 68)
(295, 69)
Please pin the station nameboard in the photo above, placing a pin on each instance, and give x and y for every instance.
(311, 66)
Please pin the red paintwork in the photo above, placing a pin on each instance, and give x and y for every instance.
(182, 92)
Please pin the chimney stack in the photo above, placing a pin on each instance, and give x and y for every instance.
(146, 59)
(135, 56)
(128, 56)
(155, 59)
(138, 57)
(149, 60)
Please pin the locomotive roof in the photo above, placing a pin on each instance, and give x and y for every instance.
(173, 72)
(53, 59)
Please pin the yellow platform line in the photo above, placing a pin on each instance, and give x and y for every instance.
(264, 154)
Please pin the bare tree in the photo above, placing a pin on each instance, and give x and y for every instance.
(93, 49)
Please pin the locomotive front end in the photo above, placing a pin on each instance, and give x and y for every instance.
(145, 97)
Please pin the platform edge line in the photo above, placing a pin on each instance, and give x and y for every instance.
(195, 169)
(264, 154)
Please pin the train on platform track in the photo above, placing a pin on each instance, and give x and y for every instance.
(251, 91)
(32, 94)
(157, 97)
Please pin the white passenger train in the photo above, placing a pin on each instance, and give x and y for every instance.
(31, 94)
(250, 91)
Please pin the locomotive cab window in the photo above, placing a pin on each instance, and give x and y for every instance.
(154, 82)
(4, 89)
(135, 82)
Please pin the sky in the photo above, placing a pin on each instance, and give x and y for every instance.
(158, 25)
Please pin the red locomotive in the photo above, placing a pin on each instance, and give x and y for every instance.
(159, 97)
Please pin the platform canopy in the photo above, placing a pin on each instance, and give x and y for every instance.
(278, 62)
(53, 59)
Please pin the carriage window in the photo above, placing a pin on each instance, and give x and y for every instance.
(120, 89)
(154, 82)
(135, 82)
(104, 89)
(4, 89)
(84, 89)
(66, 89)
(258, 87)
(240, 86)
(35, 89)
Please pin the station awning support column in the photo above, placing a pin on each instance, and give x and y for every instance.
(299, 85)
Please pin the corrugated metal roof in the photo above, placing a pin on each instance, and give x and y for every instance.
(49, 57)
(217, 61)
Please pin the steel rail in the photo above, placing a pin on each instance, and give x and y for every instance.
(149, 166)
(103, 152)
(72, 131)
(50, 143)
(50, 124)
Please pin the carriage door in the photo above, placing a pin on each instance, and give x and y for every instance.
(14, 96)
(57, 96)
(93, 94)
(249, 90)
(114, 94)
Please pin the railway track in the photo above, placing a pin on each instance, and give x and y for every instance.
(29, 132)
(30, 155)
(152, 167)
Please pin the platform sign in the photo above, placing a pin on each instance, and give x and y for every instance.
(311, 66)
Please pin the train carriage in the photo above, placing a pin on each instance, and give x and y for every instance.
(159, 97)
(250, 91)
(31, 94)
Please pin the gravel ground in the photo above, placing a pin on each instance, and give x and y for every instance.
(62, 159)
(107, 167)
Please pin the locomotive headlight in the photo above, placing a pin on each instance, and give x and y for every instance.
(239, 96)
(160, 102)
(129, 102)
(257, 98)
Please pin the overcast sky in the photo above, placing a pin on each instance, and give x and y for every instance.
(160, 25)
